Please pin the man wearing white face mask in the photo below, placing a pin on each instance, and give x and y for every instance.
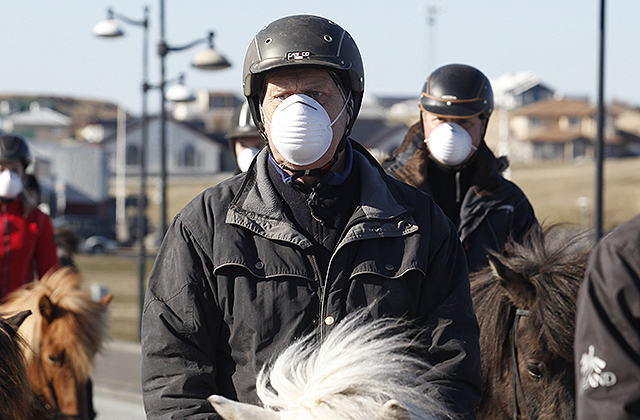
(446, 156)
(312, 231)
(26, 233)
(244, 138)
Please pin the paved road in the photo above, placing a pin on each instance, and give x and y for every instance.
(116, 378)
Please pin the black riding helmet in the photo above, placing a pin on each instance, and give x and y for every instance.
(302, 40)
(242, 124)
(457, 91)
(12, 148)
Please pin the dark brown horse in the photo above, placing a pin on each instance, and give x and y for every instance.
(15, 397)
(63, 335)
(526, 304)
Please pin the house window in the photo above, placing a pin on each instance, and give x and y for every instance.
(534, 122)
(188, 157)
(574, 122)
(220, 101)
(133, 155)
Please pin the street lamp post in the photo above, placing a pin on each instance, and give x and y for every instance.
(209, 59)
(108, 28)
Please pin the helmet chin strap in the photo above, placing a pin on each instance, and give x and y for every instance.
(315, 172)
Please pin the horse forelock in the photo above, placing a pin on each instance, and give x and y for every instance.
(554, 263)
(351, 374)
(557, 267)
(80, 325)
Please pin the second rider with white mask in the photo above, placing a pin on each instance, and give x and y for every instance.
(445, 155)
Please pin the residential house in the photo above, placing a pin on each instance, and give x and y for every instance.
(190, 152)
(74, 176)
(72, 173)
(39, 122)
(518, 89)
(511, 91)
(214, 109)
(559, 128)
(627, 122)
(379, 129)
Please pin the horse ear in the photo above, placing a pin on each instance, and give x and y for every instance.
(46, 308)
(16, 320)
(233, 410)
(107, 299)
(521, 292)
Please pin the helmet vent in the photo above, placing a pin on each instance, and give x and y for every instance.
(268, 41)
(328, 38)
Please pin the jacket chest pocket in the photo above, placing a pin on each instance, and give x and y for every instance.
(385, 272)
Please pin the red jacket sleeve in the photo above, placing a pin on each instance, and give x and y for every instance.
(46, 255)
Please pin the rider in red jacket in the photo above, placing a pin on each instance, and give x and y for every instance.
(27, 245)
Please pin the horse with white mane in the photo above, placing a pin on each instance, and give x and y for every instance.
(361, 370)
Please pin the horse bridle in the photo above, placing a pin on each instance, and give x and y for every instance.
(53, 413)
(516, 380)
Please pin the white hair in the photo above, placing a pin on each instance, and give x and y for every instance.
(361, 370)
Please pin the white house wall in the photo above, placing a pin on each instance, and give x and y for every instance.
(208, 153)
(82, 167)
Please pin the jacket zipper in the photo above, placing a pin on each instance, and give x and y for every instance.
(322, 284)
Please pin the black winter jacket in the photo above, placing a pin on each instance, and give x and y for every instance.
(607, 343)
(235, 282)
(492, 209)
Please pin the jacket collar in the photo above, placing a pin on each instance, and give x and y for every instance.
(257, 205)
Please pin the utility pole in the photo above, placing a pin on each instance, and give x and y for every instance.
(599, 152)
(432, 13)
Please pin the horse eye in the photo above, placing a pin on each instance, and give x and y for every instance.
(535, 369)
(54, 359)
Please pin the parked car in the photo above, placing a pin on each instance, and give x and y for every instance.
(97, 236)
(98, 244)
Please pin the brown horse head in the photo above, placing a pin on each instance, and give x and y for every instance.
(15, 398)
(526, 303)
(64, 335)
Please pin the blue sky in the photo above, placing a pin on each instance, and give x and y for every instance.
(48, 47)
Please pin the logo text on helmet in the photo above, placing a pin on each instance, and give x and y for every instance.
(298, 55)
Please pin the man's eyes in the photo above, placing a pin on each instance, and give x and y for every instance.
(314, 94)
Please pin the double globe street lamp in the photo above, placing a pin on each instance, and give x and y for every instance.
(208, 59)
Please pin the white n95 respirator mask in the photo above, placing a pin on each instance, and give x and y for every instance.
(301, 129)
(10, 184)
(450, 144)
(246, 157)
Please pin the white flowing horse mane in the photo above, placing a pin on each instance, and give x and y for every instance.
(367, 370)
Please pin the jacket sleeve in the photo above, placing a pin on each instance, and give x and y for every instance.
(46, 254)
(178, 330)
(454, 350)
(607, 341)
